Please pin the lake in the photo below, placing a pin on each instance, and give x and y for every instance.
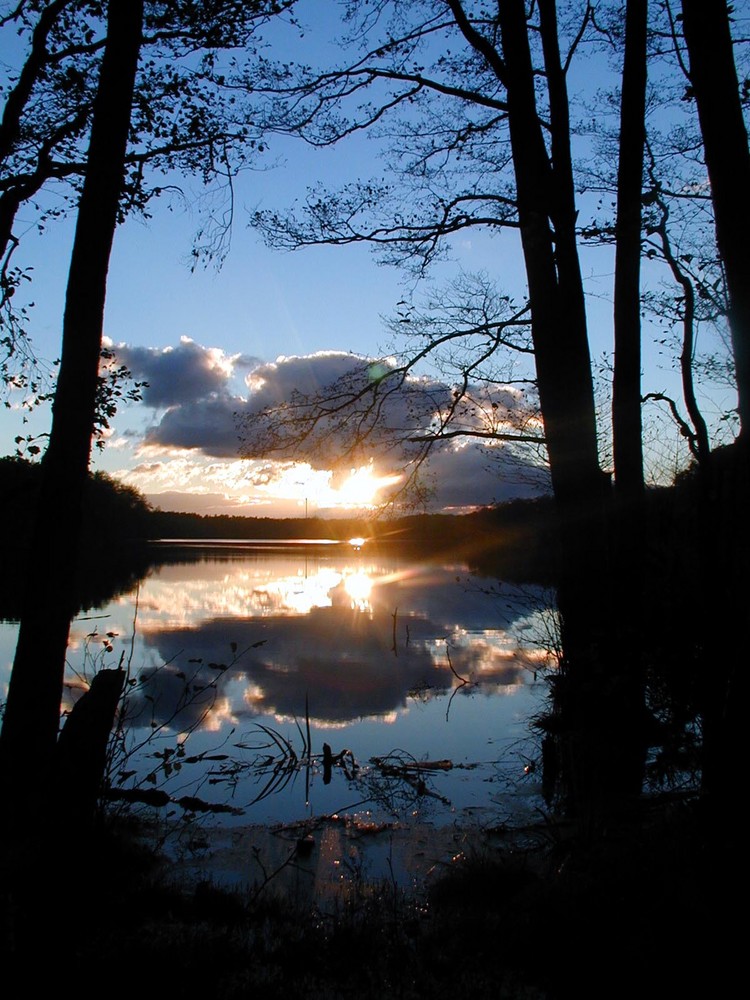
(270, 684)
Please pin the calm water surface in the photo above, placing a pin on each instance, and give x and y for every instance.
(244, 662)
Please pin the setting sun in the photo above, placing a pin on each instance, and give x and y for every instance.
(253, 488)
(362, 487)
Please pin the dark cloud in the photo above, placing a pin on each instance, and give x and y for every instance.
(356, 425)
(477, 475)
(458, 473)
(179, 375)
(274, 383)
(206, 425)
(207, 415)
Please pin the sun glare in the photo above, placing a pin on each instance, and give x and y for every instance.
(321, 489)
(359, 586)
(241, 485)
(362, 487)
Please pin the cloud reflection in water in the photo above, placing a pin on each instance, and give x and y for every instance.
(354, 638)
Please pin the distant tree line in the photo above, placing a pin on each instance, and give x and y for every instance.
(113, 513)
(517, 540)
(520, 533)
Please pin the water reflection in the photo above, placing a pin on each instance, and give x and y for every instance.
(368, 651)
(351, 640)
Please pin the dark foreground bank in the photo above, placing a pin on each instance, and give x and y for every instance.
(640, 909)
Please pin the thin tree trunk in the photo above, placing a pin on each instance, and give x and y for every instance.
(555, 290)
(32, 713)
(626, 710)
(714, 79)
(17, 101)
(599, 700)
(626, 385)
(725, 497)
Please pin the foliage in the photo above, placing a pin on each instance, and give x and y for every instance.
(113, 512)
(116, 385)
(437, 110)
(182, 125)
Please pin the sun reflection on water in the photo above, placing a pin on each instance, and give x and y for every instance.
(374, 647)
(359, 587)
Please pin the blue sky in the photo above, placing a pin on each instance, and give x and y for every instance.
(174, 324)
(201, 333)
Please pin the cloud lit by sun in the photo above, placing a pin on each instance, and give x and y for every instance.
(200, 405)
(363, 487)
(266, 487)
(357, 489)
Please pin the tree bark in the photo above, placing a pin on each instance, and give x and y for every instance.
(32, 714)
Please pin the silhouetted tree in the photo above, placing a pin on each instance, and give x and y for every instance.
(724, 489)
(485, 141)
(626, 381)
(133, 119)
(180, 125)
(685, 312)
(32, 711)
(628, 539)
(482, 105)
(713, 79)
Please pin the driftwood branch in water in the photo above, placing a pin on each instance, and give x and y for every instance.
(411, 772)
(330, 760)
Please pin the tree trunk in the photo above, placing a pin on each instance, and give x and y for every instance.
(725, 535)
(626, 403)
(596, 711)
(714, 80)
(32, 714)
(82, 751)
(558, 318)
(17, 101)
(626, 710)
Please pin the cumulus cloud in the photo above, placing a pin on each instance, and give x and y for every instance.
(206, 425)
(177, 376)
(373, 413)
(337, 410)
(474, 475)
(332, 411)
